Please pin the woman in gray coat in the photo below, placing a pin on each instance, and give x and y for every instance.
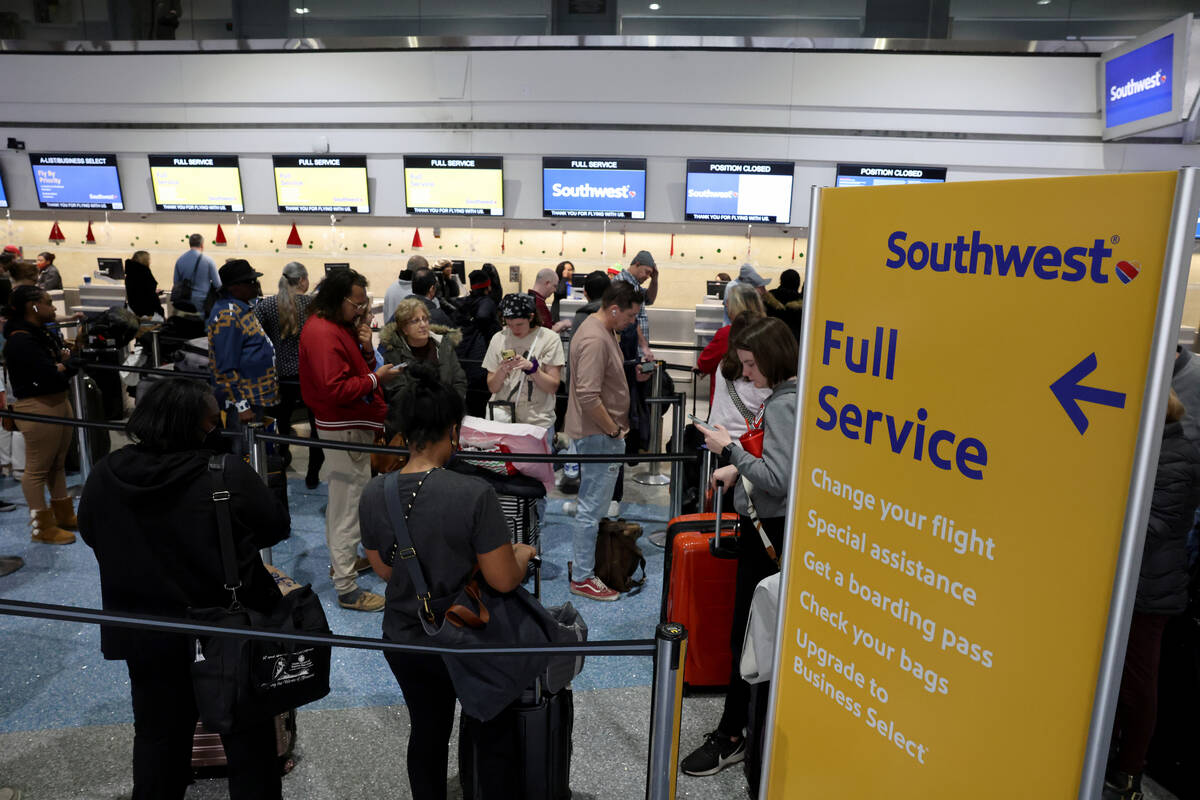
(410, 339)
(767, 353)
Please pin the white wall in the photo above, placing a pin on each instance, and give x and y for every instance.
(981, 116)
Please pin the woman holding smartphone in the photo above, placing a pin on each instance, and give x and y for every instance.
(768, 356)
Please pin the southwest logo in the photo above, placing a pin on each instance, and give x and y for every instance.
(1135, 86)
(974, 255)
(1128, 270)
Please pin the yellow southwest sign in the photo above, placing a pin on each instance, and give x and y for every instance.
(977, 358)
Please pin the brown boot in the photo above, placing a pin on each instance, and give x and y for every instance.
(64, 513)
(46, 531)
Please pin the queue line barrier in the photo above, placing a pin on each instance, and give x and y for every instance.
(668, 649)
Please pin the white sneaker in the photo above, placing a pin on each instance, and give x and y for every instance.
(614, 509)
(569, 508)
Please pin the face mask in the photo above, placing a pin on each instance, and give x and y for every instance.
(213, 440)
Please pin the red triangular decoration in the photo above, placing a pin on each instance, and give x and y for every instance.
(294, 237)
(220, 237)
(91, 237)
(416, 237)
(56, 234)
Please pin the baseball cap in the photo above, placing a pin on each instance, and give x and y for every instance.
(749, 274)
(643, 257)
(238, 271)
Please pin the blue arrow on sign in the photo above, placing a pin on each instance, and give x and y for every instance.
(1070, 393)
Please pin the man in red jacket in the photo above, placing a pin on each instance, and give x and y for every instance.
(342, 386)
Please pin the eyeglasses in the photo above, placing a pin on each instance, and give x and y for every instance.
(417, 321)
(358, 306)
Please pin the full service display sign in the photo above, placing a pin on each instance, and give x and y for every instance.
(976, 364)
(3, 195)
(77, 180)
(455, 185)
(332, 184)
(887, 175)
(739, 191)
(613, 188)
(196, 183)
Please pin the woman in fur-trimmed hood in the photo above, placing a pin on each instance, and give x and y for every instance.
(409, 339)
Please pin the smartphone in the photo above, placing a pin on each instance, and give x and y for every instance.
(697, 420)
(505, 355)
(646, 366)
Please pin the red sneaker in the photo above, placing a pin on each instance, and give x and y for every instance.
(594, 589)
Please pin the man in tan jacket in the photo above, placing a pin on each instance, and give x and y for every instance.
(597, 422)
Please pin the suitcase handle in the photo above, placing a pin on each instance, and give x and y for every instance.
(721, 546)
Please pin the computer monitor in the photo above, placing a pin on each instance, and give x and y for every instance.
(336, 265)
(112, 267)
(716, 289)
(459, 268)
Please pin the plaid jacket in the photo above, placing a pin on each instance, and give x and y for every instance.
(241, 356)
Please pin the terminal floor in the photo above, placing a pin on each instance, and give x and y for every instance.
(65, 718)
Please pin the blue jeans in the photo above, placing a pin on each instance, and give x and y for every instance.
(596, 483)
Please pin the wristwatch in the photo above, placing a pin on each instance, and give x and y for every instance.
(727, 451)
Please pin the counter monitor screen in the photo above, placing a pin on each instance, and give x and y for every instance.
(196, 183)
(112, 267)
(739, 191)
(715, 289)
(887, 174)
(454, 185)
(334, 266)
(612, 188)
(330, 184)
(77, 180)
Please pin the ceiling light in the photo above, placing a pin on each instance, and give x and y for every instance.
(655, 6)
(1043, 2)
(301, 10)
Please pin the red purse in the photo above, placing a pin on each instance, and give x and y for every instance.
(752, 441)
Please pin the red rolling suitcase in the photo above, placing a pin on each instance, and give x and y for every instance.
(699, 571)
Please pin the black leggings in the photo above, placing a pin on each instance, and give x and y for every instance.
(430, 697)
(164, 720)
(753, 565)
(289, 401)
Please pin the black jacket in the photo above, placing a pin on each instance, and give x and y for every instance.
(141, 289)
(1163, 583)
(149, 517)
(32, 355)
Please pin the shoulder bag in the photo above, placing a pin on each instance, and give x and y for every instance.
(479, 616)
(236, 680)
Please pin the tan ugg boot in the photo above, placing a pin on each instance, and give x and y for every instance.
(45, 531)
(64, 513)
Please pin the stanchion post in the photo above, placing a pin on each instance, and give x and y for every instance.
(79, 399)
(652, 476)
(256, 448)
(155, 350)
(666, 707)
(677, 466)
(706, 470)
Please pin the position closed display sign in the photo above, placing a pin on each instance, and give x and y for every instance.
(976, 362)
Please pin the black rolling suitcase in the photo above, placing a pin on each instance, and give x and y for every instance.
(540, 724)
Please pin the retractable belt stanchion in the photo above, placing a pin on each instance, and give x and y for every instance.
(651, 476)
(256, 448)
(155, 349)
(666, 706)
(79, 399)
(677, 466)
(706, 470)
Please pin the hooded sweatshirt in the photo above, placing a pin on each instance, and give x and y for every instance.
(771, 474)
(150, 519)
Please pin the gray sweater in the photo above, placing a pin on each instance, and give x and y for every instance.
(771, 474)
